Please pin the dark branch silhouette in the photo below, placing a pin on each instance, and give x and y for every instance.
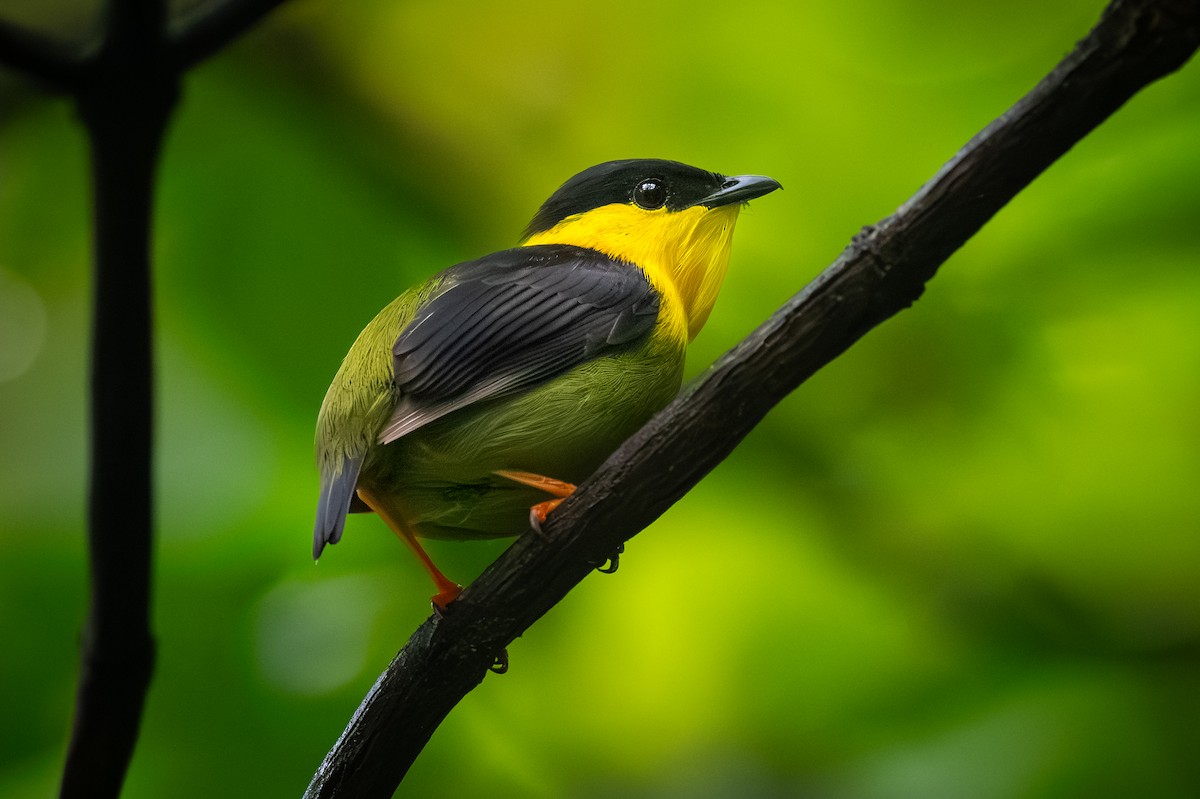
(881, 272)
(125, 99)
(125, 87)
(54, 65)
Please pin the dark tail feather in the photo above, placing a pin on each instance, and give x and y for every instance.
(334, 504)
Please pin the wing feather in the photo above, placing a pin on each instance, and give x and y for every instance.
(512, 320)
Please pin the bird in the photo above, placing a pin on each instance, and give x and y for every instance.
(476, 401)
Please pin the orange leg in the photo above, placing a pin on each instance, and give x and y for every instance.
(558, 488)
(447, 589)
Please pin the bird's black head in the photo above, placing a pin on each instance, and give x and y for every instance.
(648, 183)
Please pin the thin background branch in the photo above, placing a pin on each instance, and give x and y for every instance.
(125, 88)
(54, 65)
(881, 272)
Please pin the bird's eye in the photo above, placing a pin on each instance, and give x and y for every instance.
(650, 194)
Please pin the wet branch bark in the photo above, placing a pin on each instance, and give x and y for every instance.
(125, 87)
(881, 272)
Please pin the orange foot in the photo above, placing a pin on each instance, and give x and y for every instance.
(448, 593)
(539, 512)
(558, 488)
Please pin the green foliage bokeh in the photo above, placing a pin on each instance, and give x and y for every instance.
(963, 560)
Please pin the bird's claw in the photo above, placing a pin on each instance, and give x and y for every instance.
(539, 512)
(500, 664)
(610, 565)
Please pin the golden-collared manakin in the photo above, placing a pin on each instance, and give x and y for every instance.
(477, 399)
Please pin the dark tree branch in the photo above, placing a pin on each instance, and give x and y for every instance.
(134, 24)
(125, 91)
(210, 28)
(124, 99)
(881, 272)
(41, 58)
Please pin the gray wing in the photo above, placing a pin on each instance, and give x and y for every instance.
(510, 321)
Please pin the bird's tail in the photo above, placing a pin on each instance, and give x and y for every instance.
(337, 489)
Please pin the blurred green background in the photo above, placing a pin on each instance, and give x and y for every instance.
(962, 561)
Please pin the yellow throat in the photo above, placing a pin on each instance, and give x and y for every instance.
(684, 253)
